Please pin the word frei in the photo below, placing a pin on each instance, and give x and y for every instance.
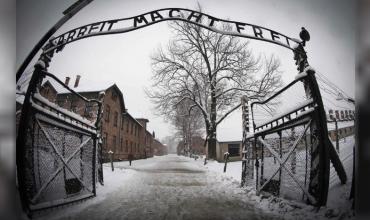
(206, 21)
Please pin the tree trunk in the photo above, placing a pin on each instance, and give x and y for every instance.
(213, 116)
(212, 146)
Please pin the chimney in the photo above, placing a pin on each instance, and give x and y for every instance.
(78, 77)
(153, 134)
(67, 81)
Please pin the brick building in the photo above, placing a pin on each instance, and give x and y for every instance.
(136, 140)
(159, 149)
(48, 91)
(121, 132)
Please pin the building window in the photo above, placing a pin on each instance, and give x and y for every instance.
(132, 128)
(115, 119)
(61, 102)
(74, 103)
(131, 146)
(46, 91)
(128, 125)
(88, 109)
(122, 123)
(114, 96)
(121, 144)
(74, 106)
(233, 150)
(126, 146)
(107, 112)
(105, 138)
(114, 143)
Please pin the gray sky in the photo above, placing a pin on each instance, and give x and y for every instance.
(125, 58)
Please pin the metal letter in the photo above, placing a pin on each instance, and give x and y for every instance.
(139, 19)
(239, 26)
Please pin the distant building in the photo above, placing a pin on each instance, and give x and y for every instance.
(48, 91)
(233, 147)
(342, 132)
(121, 132)
(159, 148)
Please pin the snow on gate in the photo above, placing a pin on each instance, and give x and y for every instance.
(59, 153)
(289, 145)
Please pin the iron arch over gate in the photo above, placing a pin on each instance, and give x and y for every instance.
(124, 25)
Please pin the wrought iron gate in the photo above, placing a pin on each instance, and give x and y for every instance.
(56, 149)
(291, 150)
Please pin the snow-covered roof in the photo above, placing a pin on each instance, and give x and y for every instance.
(129, 115)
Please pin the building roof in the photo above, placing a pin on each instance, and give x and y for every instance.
(130, 116)
(80, 91)
(84, 85)
(47, 83)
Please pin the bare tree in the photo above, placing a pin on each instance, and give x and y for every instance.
(187, 124)
(211, 71)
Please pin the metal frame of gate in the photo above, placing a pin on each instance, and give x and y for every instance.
(56, 150)
(319, 151)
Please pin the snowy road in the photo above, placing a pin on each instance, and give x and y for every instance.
(167, 187)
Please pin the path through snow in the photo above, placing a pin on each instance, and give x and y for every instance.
(167, 187)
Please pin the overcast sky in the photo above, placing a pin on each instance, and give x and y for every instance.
(124, 59)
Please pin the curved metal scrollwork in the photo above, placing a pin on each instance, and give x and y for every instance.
(123, 25)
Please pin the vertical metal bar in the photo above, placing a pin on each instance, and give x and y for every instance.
(319, 176)
(38, 154)
(320, 192)
(256, 163)
(305, 176)
(26, 115)
(245, 148)
(81, 160)
(94, 164)
(63, 155)
(336, 135)
(262, 161)
(281, 156)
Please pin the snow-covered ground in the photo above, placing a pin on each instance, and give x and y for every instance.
(338, 204)
(177, 187)
(167, 187)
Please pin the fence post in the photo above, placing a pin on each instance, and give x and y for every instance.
(336, 135)
(319, 172)
(247, 158)
(226, 158)
(111, 159)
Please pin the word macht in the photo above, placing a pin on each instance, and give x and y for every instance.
(221, 26)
